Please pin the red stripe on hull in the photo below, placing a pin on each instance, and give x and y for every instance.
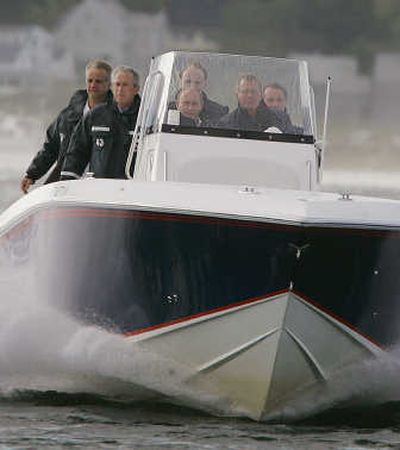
(206, 313)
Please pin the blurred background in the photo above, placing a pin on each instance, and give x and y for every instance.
(45, 44)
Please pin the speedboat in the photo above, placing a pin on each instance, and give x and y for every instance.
(219, 252)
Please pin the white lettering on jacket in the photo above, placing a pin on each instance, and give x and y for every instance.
(96, 128)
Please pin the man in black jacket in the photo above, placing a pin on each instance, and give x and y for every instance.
(194, 76)
(251, 114)
(189, 103)
(275, 97)
(58, 134)
(104, 136)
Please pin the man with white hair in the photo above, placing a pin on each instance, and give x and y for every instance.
(103, 138)
(59, 132)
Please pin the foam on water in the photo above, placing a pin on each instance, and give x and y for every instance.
(45, 349)
(373, 382)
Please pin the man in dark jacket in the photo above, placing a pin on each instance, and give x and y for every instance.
(104, 136)
(189, 103)
(251, 114)
(194, 76)
(58, 134)
(275, 97)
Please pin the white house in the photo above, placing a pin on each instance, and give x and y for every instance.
(106, 29)
(28, 55)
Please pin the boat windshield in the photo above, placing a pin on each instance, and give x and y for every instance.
(221, 92)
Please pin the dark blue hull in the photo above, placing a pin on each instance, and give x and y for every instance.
(132, 271)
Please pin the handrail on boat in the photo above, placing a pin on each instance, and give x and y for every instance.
(140, 129)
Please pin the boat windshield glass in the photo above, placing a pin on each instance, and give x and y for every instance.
(231, 92)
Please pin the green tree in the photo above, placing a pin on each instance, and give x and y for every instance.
(41, 12)
(144, 5)
(276, 27)
(387, 13)
(247, 27)
(13, 12)
(48, 12)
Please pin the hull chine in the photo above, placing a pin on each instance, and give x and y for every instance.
(263, 360)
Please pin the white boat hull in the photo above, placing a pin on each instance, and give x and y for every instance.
(259, 358)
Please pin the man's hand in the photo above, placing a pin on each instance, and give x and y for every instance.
(26, 183)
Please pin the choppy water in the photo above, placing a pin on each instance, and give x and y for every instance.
(63, 385)
(50, 420)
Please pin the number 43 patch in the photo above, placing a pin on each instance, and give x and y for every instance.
(100, 142)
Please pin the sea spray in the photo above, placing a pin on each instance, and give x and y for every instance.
(43, 348)
(369, 383)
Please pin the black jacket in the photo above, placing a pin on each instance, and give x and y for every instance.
(284, 117)
(102, 139)
(240, 119)
(210, 113)
(188, 122)
(58, 135)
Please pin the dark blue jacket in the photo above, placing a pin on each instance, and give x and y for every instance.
(240, 119)
(211, 111)
(102, 140)
(58, 136)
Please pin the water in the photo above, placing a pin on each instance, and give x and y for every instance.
(64, 385)
(43, 421)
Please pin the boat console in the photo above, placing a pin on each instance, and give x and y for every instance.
(213, 137)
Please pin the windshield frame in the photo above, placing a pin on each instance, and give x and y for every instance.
(172, 64)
